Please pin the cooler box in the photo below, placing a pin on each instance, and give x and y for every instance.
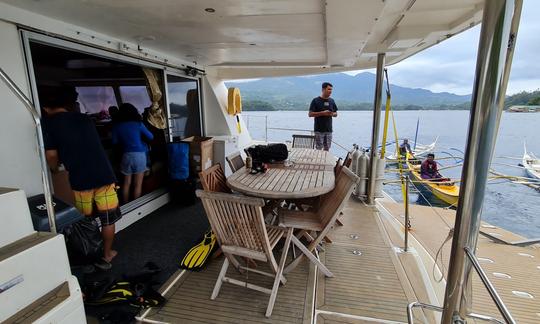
(201, 153)
(65, 214)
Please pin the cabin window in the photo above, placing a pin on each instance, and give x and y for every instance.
(183, 100)
(136, 95)
(94, 100)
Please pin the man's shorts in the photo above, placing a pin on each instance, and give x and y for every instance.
(100, 202)
(133, 163)
(323, 140)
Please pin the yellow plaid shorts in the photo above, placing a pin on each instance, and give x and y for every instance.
(101, 202)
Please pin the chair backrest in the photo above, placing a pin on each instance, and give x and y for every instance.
(348, 160)
(238, 223)
(333, 202)
(303, 141)
(213, 179)
(235, 161)
(338, 167)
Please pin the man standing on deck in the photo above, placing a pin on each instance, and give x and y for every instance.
(72, 139)
(323, 109)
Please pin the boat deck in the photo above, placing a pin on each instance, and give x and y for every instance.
(513, 270)
(369, 285)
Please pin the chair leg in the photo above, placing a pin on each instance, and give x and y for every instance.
(219, 280)
(279, 273)
(310, 256)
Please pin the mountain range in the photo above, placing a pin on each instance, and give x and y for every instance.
(286, 93)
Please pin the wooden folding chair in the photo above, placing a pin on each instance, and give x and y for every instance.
(303, 141)
(213, 179)
(240, 229)
(235, 161)
(320, 220)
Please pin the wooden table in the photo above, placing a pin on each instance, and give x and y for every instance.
(310, 173)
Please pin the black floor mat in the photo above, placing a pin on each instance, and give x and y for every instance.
(163, 238)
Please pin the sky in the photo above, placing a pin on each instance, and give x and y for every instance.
(451, 63)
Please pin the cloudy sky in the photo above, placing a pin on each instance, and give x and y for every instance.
(452, 62)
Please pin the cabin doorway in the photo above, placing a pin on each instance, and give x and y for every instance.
(103, 83)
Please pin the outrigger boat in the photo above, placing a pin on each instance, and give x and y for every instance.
(419, 151)
(531, 164)
(446, 191)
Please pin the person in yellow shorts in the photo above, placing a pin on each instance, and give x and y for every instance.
(71, 138)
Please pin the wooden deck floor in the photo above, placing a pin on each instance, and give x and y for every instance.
(368, 287)
(522, 264)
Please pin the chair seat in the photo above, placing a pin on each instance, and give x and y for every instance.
(300, 219)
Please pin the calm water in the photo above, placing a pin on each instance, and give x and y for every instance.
(512, 206)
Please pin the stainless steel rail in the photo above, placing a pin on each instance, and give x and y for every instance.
(407, 220)
(375, 128)
(410, 318)
(41, 147)
(489, 286)
(496, 44)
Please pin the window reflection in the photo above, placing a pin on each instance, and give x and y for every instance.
(184, 111)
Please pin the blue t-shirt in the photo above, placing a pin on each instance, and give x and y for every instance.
(76, 139)
(130, 136)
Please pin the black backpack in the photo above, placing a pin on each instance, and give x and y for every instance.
(268, 153)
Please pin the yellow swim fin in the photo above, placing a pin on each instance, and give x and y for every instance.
(196, 257)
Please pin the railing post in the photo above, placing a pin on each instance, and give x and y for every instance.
(406, 248)
(41, 148)
(496, 44)
(375, 129)
(266, 128)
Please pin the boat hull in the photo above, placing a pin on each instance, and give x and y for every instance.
(444, 192)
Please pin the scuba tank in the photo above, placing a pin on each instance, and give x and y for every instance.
(363, 163)
(354, 161)
(354, 158)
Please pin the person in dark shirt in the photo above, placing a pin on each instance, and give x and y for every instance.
(405, 147)
(129, 132)
(323, 109)
(71, 139)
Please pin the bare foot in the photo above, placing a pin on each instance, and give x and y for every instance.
(110, 256)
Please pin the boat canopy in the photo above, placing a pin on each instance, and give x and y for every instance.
(238, 39)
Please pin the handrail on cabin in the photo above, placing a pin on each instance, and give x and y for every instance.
(41, 147)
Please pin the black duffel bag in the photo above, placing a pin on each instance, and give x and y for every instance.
(268, 153)
(84, 242)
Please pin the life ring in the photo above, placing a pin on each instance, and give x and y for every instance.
(234, 105)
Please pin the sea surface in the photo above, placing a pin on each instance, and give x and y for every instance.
(514, 207)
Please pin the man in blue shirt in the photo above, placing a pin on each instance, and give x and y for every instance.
(323, 109)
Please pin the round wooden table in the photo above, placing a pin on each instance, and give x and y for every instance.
(310, 173)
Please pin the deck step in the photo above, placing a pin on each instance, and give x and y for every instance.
(30, 268)
(42, 305)
(16, 219)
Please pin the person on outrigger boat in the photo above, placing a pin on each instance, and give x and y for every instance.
(405, 147)
(429, 170)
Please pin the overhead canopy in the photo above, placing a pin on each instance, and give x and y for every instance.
(254, 38)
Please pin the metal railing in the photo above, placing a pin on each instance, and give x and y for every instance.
(410, 316)
(41, 147)
(266, 129)
(407, 220)
(490, 288)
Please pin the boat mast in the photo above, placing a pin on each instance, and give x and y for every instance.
(495, 50)
(375, 129)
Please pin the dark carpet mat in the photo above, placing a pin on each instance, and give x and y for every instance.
(162, 237)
